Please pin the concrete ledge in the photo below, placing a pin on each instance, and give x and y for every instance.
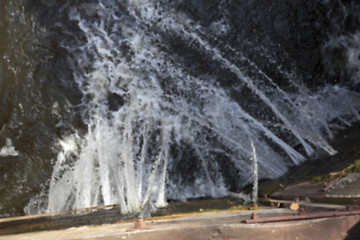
(216, 226)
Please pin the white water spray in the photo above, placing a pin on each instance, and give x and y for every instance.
(145, 110)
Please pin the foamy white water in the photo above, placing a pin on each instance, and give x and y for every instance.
(8, 149)
(145, 111)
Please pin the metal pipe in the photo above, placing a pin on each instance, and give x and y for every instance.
(302, 217)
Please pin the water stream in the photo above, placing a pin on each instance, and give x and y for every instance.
(139, 102)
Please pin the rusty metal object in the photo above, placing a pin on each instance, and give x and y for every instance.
(305, 216)
(139, 225)
(350, 208)
(302, 211)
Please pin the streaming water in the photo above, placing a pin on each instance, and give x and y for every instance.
(137, 102)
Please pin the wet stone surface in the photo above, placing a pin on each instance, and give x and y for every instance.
(347, 187)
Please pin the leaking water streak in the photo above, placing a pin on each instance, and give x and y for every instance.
(177, 109)
(125, 156)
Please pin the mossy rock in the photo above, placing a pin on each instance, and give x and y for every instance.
(352, 168)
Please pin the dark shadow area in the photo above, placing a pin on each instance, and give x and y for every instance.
(354, 232)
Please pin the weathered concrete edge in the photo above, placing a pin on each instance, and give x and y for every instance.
(326, 228)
